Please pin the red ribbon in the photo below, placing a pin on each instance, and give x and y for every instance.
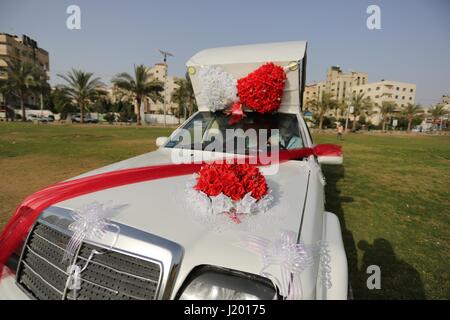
(236, 113)
(29, 210)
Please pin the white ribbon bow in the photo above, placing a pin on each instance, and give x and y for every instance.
(90, 222)
(292, 258)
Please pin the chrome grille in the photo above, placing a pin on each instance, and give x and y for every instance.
(109, 275)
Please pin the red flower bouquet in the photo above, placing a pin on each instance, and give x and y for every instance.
(233, 180)
(230, 189)
(262, 89)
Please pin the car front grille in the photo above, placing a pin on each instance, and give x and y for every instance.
(110, 275)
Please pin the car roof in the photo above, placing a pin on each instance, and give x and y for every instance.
(254, 53)
(241, 60)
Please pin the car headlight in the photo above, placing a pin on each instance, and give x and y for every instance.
(213, 283)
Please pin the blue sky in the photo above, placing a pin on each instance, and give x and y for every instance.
(413, 44)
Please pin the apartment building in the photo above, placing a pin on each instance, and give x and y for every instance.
(159, 72)
(401, 93)
(21, 49)
(338, 83)
(310, 93)
(15, 48)
(342, 86)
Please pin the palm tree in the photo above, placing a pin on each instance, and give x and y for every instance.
(437, 111)
(41, 87)
(342, 108)
(82, 88)
(184, 94)
(192, 103)
(410, 111)
(21, 81)
(386, 110)
(5, 92)
(361, 106)
(179, 94)
(322, 106)
(61, 101)
(140, 87)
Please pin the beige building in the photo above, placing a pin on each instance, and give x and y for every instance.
(21, 49)
(310, 93)
(343, 86)
(338, 83)
(158, 72)
(14, 48)
(400, 93)
(445, 100)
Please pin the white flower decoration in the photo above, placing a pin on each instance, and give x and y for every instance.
(246, 205)
(221, 203)
(217, 88)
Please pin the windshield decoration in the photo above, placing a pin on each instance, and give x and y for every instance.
(233, 190)
(218, 88)
(236, 113)
(260, 90)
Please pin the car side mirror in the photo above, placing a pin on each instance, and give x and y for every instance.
(329, 154)
(160, 141)
(333, 160)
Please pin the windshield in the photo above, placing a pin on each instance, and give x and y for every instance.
(254, 132)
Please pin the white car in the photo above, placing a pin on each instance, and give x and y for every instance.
(162, 251)
(37, 118)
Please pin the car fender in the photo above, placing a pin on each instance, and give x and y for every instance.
(337, 263)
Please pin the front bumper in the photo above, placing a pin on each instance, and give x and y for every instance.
(9, 290)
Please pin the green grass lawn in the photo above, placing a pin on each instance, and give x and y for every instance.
(392, 195)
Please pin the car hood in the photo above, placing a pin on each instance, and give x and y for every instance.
(160, 207)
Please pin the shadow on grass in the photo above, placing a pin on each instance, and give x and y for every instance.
(399, 280)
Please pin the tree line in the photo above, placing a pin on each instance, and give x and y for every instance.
(363, 107)
(83, 91)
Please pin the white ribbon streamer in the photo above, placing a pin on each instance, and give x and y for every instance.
(74, 279)
(74, 271)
